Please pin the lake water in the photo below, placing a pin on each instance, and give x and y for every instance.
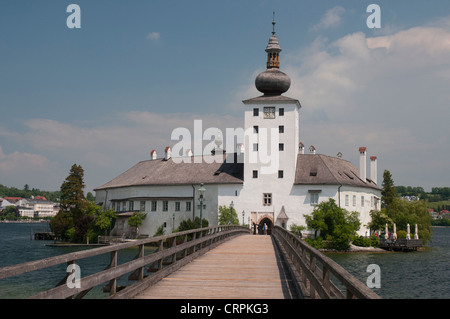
(16, 248)
(423, 274)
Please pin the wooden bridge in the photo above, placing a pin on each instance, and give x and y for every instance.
(225, 262)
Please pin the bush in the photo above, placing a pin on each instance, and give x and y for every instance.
(401, 234)
(362, 241)
(317, 243)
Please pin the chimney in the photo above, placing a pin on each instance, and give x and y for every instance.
(301, 148)
(168, 153)
(153, 155)
(373, 169)
(362, 164)
(312, 149)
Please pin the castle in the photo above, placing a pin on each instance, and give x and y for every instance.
(276, 189)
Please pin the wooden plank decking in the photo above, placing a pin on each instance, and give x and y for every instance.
(246, 267)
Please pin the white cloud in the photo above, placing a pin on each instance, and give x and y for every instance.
(331, 19)
(153, 36)
(104, 151)
(389, 93)
(20, 168)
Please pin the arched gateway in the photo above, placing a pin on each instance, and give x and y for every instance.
(267, 221)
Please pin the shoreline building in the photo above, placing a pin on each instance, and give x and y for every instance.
(268, 180)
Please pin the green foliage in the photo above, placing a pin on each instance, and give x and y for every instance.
(441, 222)
(10, 213)
(297, 230)
(335, 223)
(136, 219)
(362, 241)
(189, 224)
(72, 205)
(160, 231)
(317, 242)
(379, 219)
(70, 234)
(72, 195)
(401, 234)
(228, 216)
(388, 194)
(102, 221)
(26, 192)
(404, 212)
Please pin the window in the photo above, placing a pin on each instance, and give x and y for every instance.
(362, 201)
(255, 174)
(255, 129)
(188, 206)
(281, 147)
(255, 147)
(280, 174)
(281, 111)
(142, 206)
(281, 129)
(371, 201)
(177, 206)
(267, 199)
(131, 205)
(354, 200)
(165, 206)
(269, 112)
(314, 197)
(347, 200)
(255, 112)
(154, 206)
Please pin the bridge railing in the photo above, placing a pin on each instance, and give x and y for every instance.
(169, 253)
(311, 270)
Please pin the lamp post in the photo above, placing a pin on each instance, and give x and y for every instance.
(243, 214)
(201, 193)
(231, 213)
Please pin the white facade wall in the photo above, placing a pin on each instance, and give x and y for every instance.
(172, 194)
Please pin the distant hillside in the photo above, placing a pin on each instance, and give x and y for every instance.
(26, 192)
(438, 199)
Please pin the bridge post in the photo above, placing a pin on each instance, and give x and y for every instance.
(160, 249)
(141, 255)
(113, 282)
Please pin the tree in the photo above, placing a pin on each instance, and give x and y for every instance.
(334, 223)
(136, 220)
(90, 197)
(404, 212)
(228, 216)
(388, 193)
(379, 219)
(72, 204)
(103, 220)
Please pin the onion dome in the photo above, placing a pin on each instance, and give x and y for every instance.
(273, 81)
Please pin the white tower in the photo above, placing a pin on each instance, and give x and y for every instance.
(272, 139)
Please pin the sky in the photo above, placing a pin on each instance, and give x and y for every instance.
(106, 94)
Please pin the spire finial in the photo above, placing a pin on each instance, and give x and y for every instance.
(273, 23)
